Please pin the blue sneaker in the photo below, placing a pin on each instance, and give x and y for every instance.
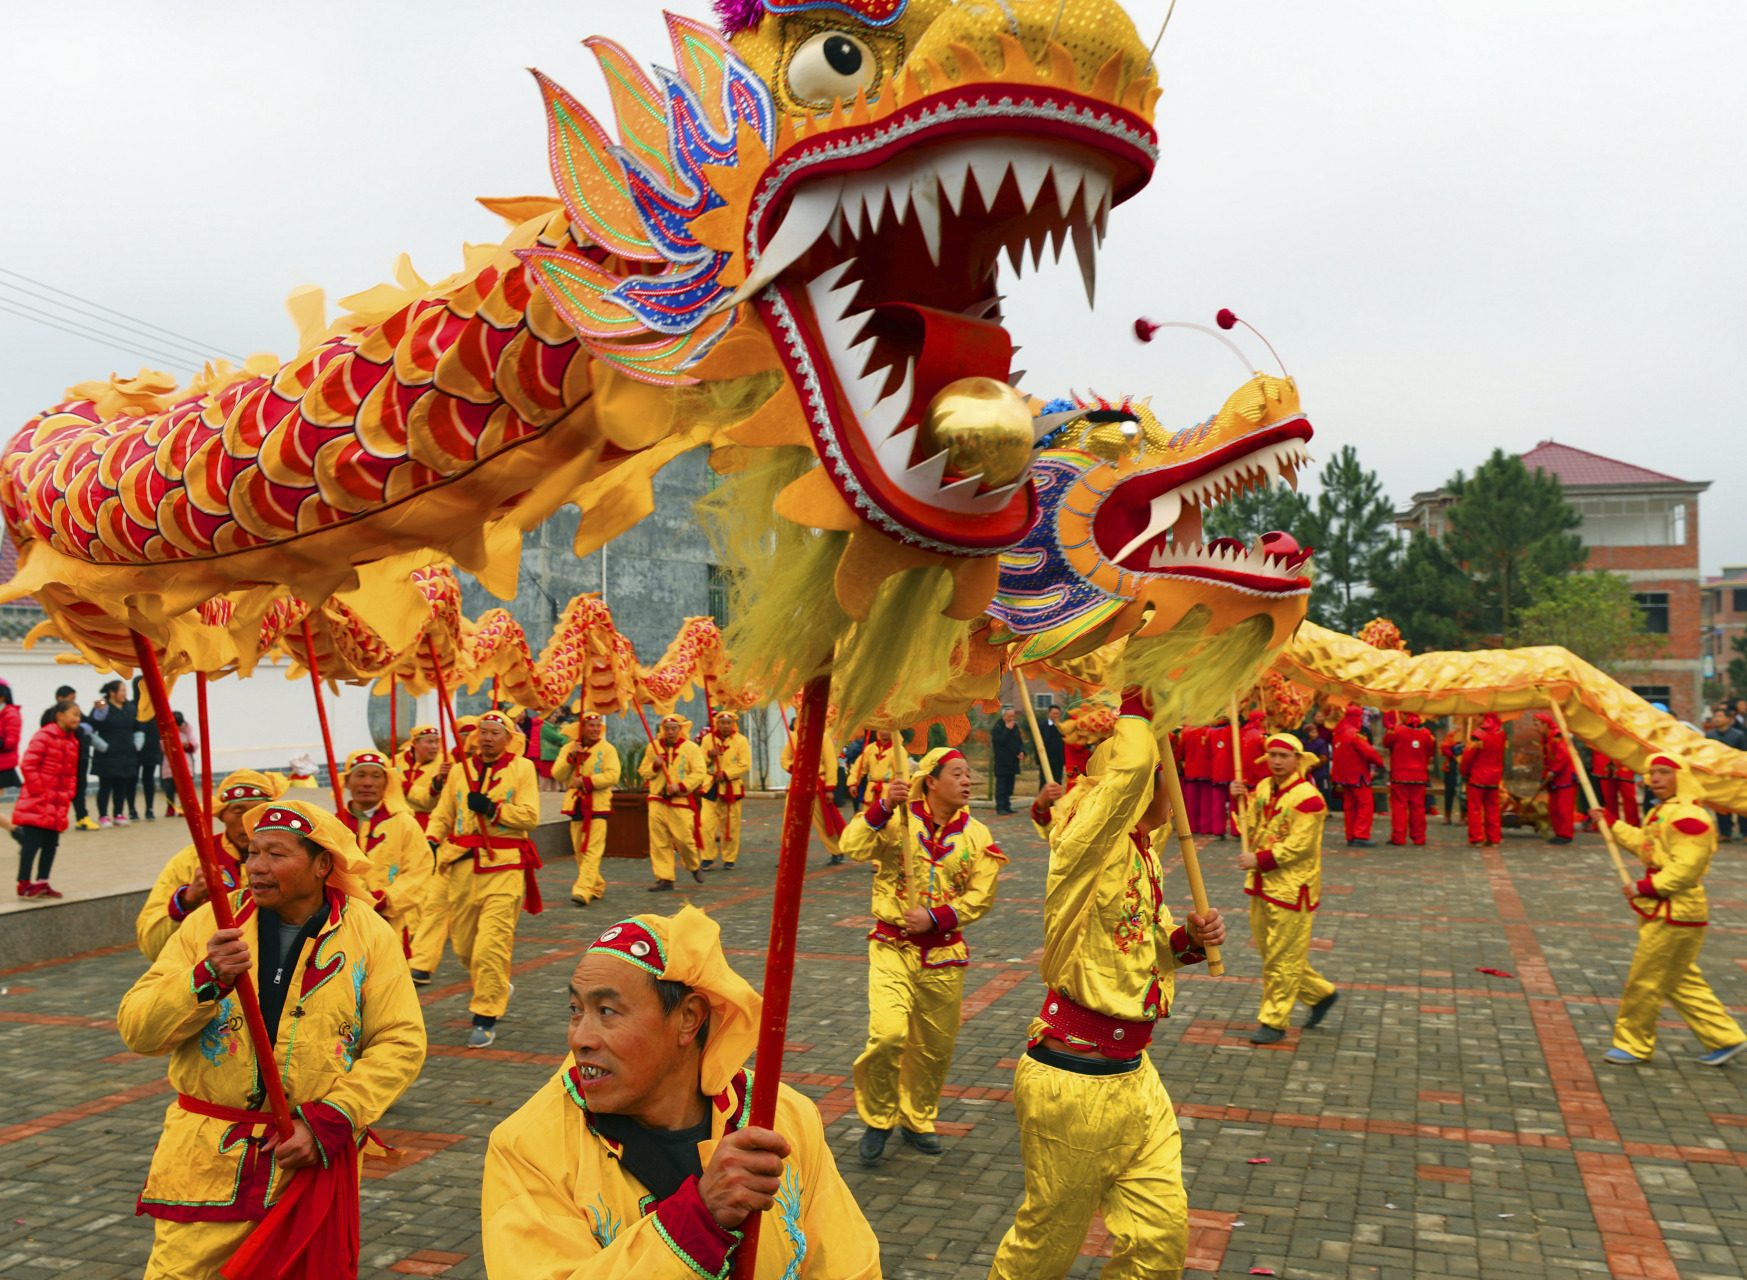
(1620, 1058)
(1717, 1057)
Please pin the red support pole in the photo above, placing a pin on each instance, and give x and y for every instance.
(785, 918)
(321, 710)
(393, 716)
(205, 751)
(443, 706)
(201, 830)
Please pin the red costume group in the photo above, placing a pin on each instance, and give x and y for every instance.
(1411, 749)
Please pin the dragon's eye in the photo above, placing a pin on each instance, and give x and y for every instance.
(829, 66)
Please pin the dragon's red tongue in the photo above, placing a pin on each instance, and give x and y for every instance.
(948, 347)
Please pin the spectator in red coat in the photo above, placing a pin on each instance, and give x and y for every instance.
(1197, 776)
(11, 736)
(1411, 749)
(1559, 776)
(1255, 750)
(1483, 768)
(51, 772)
(1354, 758)
(1222, 769)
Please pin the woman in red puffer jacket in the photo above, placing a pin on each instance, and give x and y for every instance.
(51, 776)
(11, 737)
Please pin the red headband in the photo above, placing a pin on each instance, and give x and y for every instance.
(242, 791)
(1667, 762)
(630, 941)
(277, 819)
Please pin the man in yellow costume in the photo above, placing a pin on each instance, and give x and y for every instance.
(876, 766)
(589, 770)
(423, 771)
(1283, 820)
(635, 1159)
(391, 838)
(433, 930)
(674, 770)
(1096, 1128)
(728, 757)
(483, 831)
(1676, 844)
(827, 822)
(916, 954)
(181, 886)
(348, 1034)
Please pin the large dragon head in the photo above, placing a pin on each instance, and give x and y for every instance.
(1119, 551)
(825, 189)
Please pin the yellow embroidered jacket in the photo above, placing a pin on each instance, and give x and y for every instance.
(400, 862)
(557, 1204)
(1110, 944)
(827, 760)
(877, 765)
(350, 1040)
(960, 864)
(589, 774)
(679, 765)
(1284, 825)
(418, 782)
(163, 913)
(733, 757)
(1675, 844)
(495, 841)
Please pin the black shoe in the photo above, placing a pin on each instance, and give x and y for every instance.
(421, 978)
(698, 876)
(873, 1145)
(1560, 840)
(927, 1143)
(1362, 844)
(1264, 1034)
(1319, 1010)
(709, 865)
(661, 886)
(727, 866)
(834, 859)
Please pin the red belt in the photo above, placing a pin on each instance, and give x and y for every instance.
(933, 938)
(1115, 1037)
(529, 863)
(213, 1111)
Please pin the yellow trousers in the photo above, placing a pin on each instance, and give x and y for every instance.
(672, 829)
(912, 1025)
(1096, 1143)
(193, 1250)
(481, 912)
(589, 841)
(1665, 969)
(722, 830)
(433, 929)
(1283, 938)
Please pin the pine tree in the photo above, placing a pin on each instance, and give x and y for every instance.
(1350, 525)
(1426, 594)
(1511, 528)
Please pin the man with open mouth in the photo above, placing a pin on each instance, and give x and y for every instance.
(636, 1158)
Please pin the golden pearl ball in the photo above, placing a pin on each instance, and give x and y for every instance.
(984, 426)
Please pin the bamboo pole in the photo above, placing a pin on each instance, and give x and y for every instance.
(785, 917)
(201, 829)
(912, 873)
(1607, 830)
(1237, 766)
(1186, 844)
(1031, 719)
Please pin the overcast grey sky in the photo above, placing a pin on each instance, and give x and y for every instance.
(1463, 226)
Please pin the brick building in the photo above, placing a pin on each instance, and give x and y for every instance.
(1643, 525)
(1724, 617)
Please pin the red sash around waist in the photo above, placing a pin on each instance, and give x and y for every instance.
(1115, 1037)
(933, 938)
(529, 863)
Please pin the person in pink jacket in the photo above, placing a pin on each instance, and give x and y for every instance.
(11, 737)
(51, 773)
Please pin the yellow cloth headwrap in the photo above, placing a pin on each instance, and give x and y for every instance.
(351, 867)
(394, 795)
(687, 948)
(246, 786)
(1306, 759)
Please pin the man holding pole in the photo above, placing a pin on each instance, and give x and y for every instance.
(589, 768)
(1676, 844)
(1097, 1129)
(482, 831)
(728, 758)
(876, 766)
(1282, 821)
(348, 1035)
(674, 770)
(936, 870)
(423, 772)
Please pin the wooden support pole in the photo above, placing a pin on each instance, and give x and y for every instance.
(1031, 719)
(1237, 766)
(1186, 843)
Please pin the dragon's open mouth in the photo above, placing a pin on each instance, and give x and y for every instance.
(1151, 523)
(880, 250)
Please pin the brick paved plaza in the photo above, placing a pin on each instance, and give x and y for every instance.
(1443, 1122)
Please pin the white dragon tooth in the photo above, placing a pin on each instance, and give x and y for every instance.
(883, 419)
(925, 200)
(1058, 236)
(834, 228)
(953, 171)
(1088, 257)
(809, 213)
(1035, 244)
(898, 182)
(1030, 168)
(984, 309)
(1162, 514)
(850, 208)
(1067, 176)
(988, 163)
(1016, 256)
(876, 207)
(927, 475)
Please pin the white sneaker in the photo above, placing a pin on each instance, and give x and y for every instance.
(103, 822)
(121, 821)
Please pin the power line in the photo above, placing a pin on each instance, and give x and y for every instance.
(105, 339)
(123, 315)
(193, 352)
